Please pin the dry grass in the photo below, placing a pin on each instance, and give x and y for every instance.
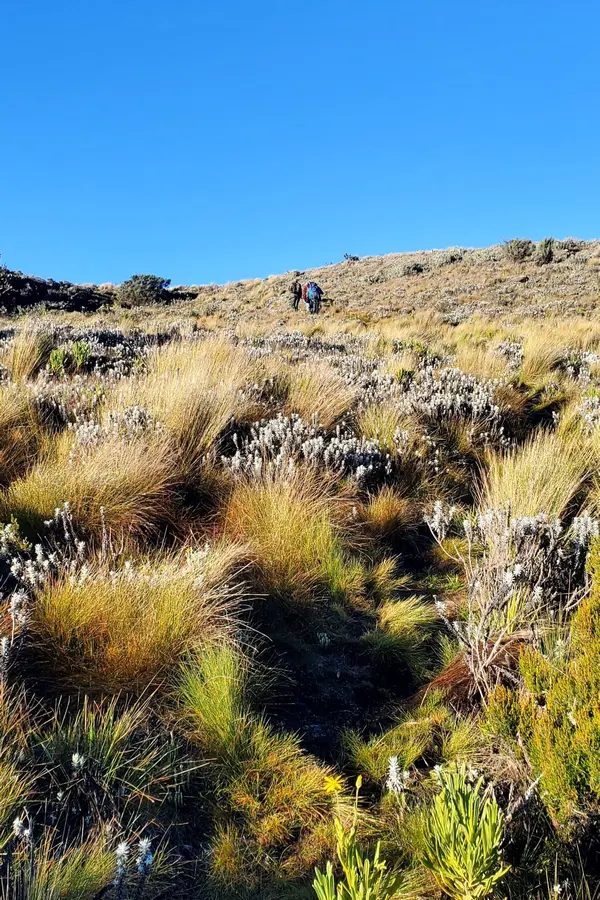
(541, 356)
(27, 353)
(318, 392)
(547, 474)
(21, 434)
(379, 422)
(480, 360)
(328, 560)
(128, 487)
(194, 390)
(293, 528)
(388, 515)
(126, 631)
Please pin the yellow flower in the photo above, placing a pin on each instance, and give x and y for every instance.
(333, 784)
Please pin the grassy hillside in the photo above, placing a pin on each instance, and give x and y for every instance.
(285, 592)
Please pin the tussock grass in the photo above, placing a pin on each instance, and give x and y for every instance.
(272, 815)
(15, 788)
(130, 765)
(178, 741)
(297, 534)
(27, 353)
(76, 872)
(404, 632)
(21, 433)
(547, 474)
(389, 515)
(128, 630)
(318, 392)
(481, 361)
(213, 699)
(131, 488)
(380, 422)
(412, 736)
(194, 391)
(541, 357)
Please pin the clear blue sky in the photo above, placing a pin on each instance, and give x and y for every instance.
(211, 140)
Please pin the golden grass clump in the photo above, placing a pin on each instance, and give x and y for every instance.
(295, 532)
(389, 515)
(21, 434)
(194, 391)
(404, 631)
(380, 421)
(272, 815)
(541, 356)
(481, 361)
(127, 630)
(129, 488)
(27, 353)
(317, 391)
(546, 475)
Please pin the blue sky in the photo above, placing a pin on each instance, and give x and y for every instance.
(212, 141)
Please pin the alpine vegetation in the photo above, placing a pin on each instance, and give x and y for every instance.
(299, 604)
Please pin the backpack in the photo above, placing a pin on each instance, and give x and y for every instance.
(313, 291)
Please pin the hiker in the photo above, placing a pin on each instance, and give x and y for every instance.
(296, 292)
(311, 294)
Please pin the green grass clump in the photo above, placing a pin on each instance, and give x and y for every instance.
(104, 762)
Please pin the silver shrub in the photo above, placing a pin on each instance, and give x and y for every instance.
(278, 444)
(577, 362)
(512, 351)
(589, 410)
(448, 392)
(126, 425)
(521, 572)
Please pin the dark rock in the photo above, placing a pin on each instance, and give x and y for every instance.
(19, 292)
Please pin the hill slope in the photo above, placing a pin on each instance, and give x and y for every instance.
(454, 285)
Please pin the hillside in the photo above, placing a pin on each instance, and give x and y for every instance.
(285, 593)
(454, 285)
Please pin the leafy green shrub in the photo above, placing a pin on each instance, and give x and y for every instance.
(363, 877)
(81, 353)
(58, 360)
(141, 289)
(518, 249)
(544, 252)
(555, 718)
(562, 735)
(462, 836)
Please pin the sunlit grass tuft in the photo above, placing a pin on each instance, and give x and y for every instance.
(295, 532)
(128, 630)
(318, 392)
(131, 488)
(27, 353)
(547, 474)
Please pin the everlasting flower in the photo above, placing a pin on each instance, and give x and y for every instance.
(145, 856)
(78, 761)
(396, 780)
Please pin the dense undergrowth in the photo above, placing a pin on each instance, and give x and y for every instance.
(281, 604)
